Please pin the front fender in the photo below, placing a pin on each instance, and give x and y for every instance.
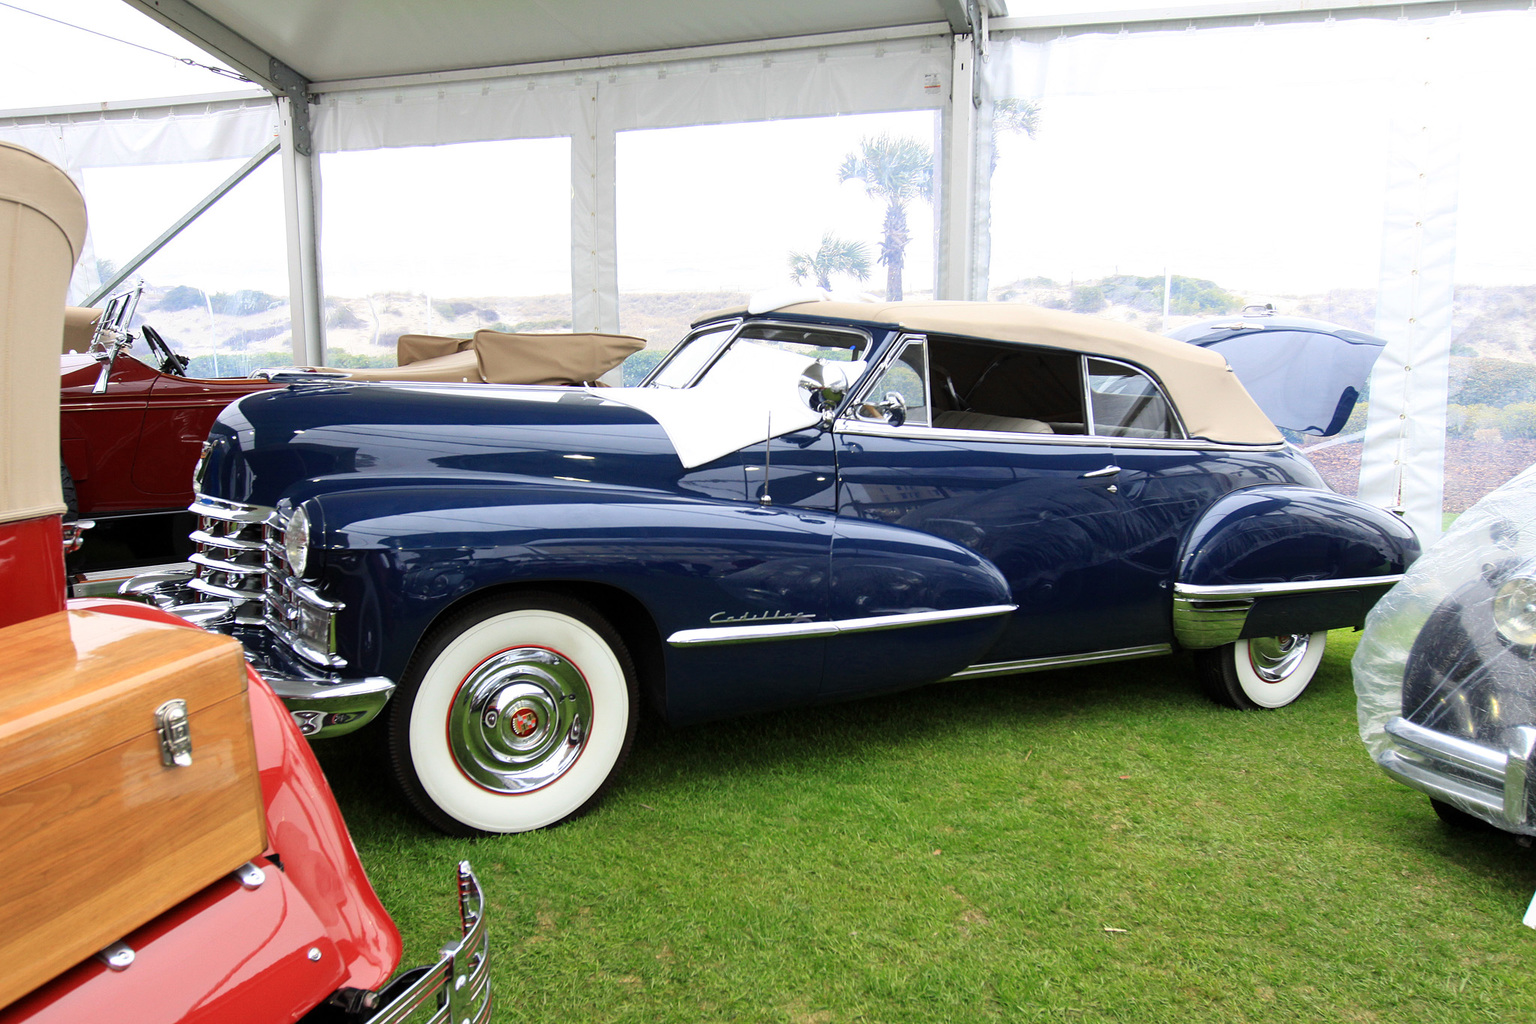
(399, 558)
(712, 576)
(1277, 559)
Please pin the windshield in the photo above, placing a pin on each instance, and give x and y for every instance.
(758, 350)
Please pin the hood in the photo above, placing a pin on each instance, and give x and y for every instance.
(309, 438)
(1305, 374)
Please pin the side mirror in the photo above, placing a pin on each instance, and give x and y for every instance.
(893, 408)
(823, 386)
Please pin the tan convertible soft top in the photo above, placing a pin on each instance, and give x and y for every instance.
(1208, 395)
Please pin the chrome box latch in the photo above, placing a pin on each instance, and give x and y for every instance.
(175, 734)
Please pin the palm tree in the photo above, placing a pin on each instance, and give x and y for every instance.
(1010, 116)
(897, 171)
(834, 257)
(1015, 117)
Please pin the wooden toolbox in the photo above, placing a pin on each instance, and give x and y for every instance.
(101, 830)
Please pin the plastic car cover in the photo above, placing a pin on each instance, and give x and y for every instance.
(1422, 618)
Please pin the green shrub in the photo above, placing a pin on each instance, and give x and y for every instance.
(180, 297)
(1088, 298)
(449, 309)
(341, 316)
(641, 363)
(1483, 381)
(342, 359)
(244, 302)
(1466, 420)
(1518, 420)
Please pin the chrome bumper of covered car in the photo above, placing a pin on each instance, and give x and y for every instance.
(458, 987)
(1496, 784)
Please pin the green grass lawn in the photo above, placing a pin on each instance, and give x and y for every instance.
(1099, 844)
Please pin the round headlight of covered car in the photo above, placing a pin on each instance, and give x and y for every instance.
(1514, 610)
(296, 542)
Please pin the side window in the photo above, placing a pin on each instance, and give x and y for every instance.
(1126, 403)
(906, 376)
(1011, 388)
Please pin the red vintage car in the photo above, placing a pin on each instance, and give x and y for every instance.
(131, 425)
(169, 849)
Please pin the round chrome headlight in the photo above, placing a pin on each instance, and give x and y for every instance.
(1514, 610)
(296, 542)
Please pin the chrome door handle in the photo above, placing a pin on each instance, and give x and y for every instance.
(1098, 473)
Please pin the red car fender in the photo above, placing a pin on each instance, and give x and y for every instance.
(232, 955)
(32, 565)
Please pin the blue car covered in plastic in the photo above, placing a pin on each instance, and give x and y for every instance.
(806, 503)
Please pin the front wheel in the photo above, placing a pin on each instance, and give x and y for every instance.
(513, 715)
(1262, 672)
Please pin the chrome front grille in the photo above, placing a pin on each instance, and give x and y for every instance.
(230, 561)
(239, 558)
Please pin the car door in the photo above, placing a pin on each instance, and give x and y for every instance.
(988, 445)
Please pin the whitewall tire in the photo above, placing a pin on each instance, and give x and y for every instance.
(513, 715)
(1262, 672)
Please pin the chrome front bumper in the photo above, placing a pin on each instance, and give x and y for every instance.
(323, 704)
(1493, 784)
(458, 987)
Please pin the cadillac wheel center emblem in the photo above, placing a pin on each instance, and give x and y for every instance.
(524, 721)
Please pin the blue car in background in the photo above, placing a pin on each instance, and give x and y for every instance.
(803, 503)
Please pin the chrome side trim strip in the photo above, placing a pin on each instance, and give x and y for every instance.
(1246, 590)
(1008, 668)
(803, 630)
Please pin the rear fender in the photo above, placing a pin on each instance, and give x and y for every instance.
(1279, 559)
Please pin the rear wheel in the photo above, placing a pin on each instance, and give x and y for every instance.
(514, 715)
(1262, 672)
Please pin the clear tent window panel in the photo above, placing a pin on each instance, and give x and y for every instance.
(1491, 393)
(708, 215)
(218, 291)
(1228, 165)
(444, 240)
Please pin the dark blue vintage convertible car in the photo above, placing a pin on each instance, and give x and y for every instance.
(806, 503)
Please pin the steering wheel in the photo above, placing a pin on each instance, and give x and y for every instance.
(170, 362)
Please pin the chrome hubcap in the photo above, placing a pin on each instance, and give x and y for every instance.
(1274, 658)
(520, 720)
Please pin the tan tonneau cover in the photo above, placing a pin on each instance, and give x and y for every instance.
(495, 357)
